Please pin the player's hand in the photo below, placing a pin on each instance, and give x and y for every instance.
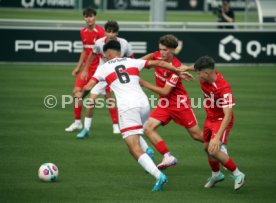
(214, 145)
(84, 75)
(186, 76)
(79, 94)
(75, 72)
(87, 87)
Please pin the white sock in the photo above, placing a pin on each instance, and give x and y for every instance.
(236, 172)
(78, 122)
(168, 154)
(146, 162)
(87, 123)
(143, 144)
(215, 174)
(223, 148)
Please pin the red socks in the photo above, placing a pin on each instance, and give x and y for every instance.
(161, 147)
(114, 115)
(77, 111)
(230, 165)
(214, 165)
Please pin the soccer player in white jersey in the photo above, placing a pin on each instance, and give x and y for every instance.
(111, 33)
(122, 74)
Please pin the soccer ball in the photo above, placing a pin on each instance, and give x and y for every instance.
(48, 172)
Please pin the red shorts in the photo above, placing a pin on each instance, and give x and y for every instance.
(81, 83)
(211, 127)
(182, 116)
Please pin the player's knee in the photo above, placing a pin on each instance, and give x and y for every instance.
(197, 136)
(149, 129)
(76, 93)
(135, 150)
(213, 154)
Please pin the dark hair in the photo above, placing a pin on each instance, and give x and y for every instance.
(169, 41)
(225, 1)
(112, 44)
(204, 62)
(89, 12)
(111, 26)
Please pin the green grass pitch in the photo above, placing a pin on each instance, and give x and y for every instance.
(100, 169)
(51, 14)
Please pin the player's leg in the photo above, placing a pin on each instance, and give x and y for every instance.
(76, 125)
(113, 112)
(89, 112)
(225, 159)
(217, 175)
(131, 129)
(214, 164)
(195, 133)
(145, 111)
(133, 143)
(231, 166)
(186, 118)
(157, 117)
(79, 84)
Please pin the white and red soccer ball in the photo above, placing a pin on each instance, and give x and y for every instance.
(48, 172)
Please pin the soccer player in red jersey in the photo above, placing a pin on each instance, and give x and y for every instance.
(219, 110)
(89, 34)
(174, 101)
(111, 33)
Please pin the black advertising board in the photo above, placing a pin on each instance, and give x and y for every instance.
(59, 4)
(46, 45)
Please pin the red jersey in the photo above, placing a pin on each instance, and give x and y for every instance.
(88, 38)
(178, 97)
(217, 95)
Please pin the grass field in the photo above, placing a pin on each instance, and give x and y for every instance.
(99, 169)
(109, 15)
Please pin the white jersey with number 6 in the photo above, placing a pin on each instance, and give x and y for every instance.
(122, 75)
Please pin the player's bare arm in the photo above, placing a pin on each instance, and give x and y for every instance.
(85, 89)
(181, 71)
(159, 90)
(214, 144)
(90, 58)
(164, 65)
(76, 71)
(188, 68)
(89, 85)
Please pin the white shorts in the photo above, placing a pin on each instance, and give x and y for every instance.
(133, 121)
(99, 88)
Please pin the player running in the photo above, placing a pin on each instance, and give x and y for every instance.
(122, 74)
(174, 103)
(219, 121)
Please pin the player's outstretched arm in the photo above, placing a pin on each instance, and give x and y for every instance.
(164, 65)
(163, 91)
(181, 71)
(86, 89)
(188, 68)
(90, 85)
